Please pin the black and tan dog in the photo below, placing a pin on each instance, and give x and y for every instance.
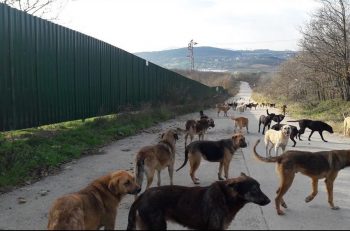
(93, 207)
(155, 158)
(314, 126)
(198, 127)
(316, 165)
(213, 207)
(214, 151)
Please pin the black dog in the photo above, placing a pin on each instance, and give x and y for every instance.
(313, 125)
(276, 118)
(213, 207)
(202, 115)
(294, 131)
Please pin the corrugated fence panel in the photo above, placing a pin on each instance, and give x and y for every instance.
(6, 118)
(49, 74)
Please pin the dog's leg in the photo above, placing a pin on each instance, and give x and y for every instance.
(292, 138)
(247, 129)
(220, 170)
(283, 203)
(149, 174)
(271, 149)
(314, 190)
(322, 136)
(312, 132)
(171, 172)
(159, 180)
(226, 168)
(286, 180)
(194, 163)
(301, 131)
(329, 184)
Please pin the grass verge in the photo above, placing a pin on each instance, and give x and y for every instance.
(30, 154)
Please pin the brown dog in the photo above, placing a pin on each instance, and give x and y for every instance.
(198, 127)
(202, 208)
(155, 158)
(214, 151)
(316, 165)
(223, 108)
(93, 207)
(240, 122)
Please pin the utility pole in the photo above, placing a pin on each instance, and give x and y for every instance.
(190, 55)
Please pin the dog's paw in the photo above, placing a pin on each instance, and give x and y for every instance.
(280, 213)
(284, 205)
(335, 208)
(308, 199)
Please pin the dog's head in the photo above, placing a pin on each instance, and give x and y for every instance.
(286, 130)
(239, 140)
(329, 129)
(170, 136)
(123, 182)
(247, 189)
(211, 123)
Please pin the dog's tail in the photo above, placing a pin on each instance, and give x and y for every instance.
(186, 159)
(139, 169)
(132, 215)
(263, 159)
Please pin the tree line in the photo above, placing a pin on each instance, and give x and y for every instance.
(320, 70)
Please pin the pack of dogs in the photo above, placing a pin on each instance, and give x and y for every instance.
(210, 207)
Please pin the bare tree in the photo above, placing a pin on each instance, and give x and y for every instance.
(48, 9)
(326, 42)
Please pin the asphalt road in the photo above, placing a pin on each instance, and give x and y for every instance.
(120, 155)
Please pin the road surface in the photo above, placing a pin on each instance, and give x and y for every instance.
(120, 155)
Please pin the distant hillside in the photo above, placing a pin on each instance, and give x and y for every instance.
(210, 58)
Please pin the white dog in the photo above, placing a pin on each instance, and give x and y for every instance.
(277, 139)
(346, 125)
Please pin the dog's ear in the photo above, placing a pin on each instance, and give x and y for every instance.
(113, 185)
(243, 174)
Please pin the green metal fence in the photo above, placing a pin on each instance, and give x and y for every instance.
(49, 74)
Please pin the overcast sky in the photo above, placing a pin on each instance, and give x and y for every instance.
(152, 25)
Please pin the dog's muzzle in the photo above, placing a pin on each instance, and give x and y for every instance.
(136, 191)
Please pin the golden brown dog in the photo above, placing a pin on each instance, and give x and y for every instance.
(93, 207)
(316, 165)
(222, 107)
(241, 122)
(277, 139)
(198, 127)
(155, 158)
(214, 151)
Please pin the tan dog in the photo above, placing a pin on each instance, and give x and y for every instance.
(93, 207)
(155, 158)
(346, 125)
(241, 122)
(198, 127)
(223, 108)
(316, 165)
(277, 139)
(214, 151)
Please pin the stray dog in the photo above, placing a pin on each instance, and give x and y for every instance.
(223, 108)
(94, 206)
(241, 108)
(197, 127)
(214, 151)
(284, 107)
(346, 125)
(316, 165)
(276, 118)
(266, 121)
(233, 105)
(293, 132)
(156, 157)
(213, 207)
(240, 122)
(318, 126)
(277, 139)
